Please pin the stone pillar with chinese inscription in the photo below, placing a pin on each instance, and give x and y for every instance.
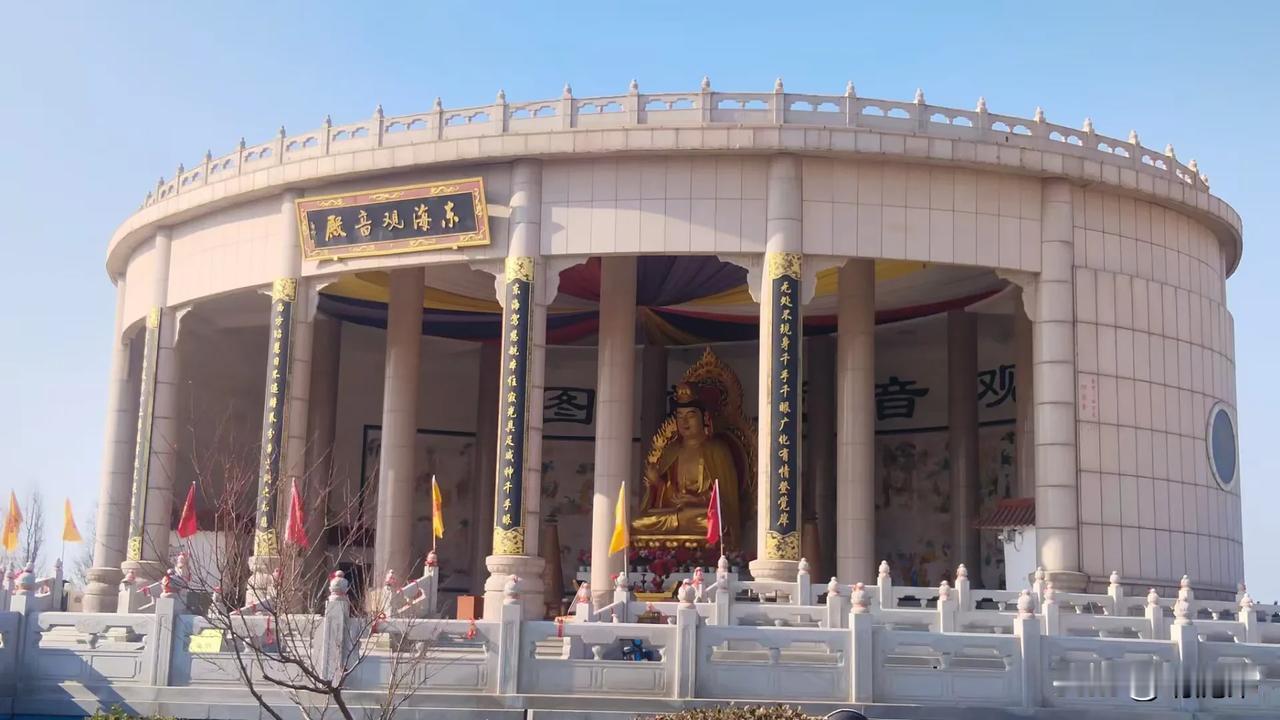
(155, 444)
(781, 332)
(266, 540)
(117, 468)
(518, 473)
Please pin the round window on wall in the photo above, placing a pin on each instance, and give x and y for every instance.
(1222, 445)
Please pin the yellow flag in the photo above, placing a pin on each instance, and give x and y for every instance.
(621, 535)
(437, 509)
(70, 533)
(12, 521)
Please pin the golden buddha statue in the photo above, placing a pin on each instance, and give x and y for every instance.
(686, 460)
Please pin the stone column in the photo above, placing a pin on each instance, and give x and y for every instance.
(1024, 396)
(266, 541)
(856, 423)
(286, 391)
(519, 472)
(820, 452)
(393, 547)
(117, 466)
(615, 410)
(962, 423)
(1054, 382)
(485, 458)
(322, 417)
(156, 440)
(781, 364)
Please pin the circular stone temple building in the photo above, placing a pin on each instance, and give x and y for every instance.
(877, 330)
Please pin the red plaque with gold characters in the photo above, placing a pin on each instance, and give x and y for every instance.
(433, 216)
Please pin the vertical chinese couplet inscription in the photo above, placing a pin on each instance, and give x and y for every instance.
(508, 520)
(782, 539)
(142, 447)
(283, 294)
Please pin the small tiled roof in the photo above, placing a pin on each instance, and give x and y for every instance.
(1009, 513)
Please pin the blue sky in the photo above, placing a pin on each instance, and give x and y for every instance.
(100, 99)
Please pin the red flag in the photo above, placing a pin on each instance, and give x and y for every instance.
(187, 523)
(295, 530)
(714, 534)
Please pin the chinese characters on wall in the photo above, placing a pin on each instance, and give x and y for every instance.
(896, 398)
(568, 405)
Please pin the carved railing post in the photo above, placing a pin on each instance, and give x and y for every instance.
(1184, 635)
(1249, 618)
(686, 642)
(499, 113)
(633, 103)
(837, 606)
(884, 586)
(160, 641)
(1155, 616)
(723, 612)
(379, 126)
(334, 638)
(509, 637)
(706, 99)
(964, 596)
(437, 118)
(946, 608)
(850, 105)
(567, 120)
(1115, 594)
(804, 588)
(1027, 630)
(862, 652)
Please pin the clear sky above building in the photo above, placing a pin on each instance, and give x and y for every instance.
(100, 99)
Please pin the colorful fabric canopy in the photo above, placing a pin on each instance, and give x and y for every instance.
(681, 300)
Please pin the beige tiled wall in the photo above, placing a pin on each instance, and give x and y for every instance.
(228, 250)
(1154, 347)
(716, 205)
(914, 212)
(664, 205)
(139, 284)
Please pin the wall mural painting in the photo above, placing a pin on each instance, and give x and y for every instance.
(913, 502)
(451, 457)
(568, 476)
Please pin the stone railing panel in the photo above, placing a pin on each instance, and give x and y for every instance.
(93, 650)
(774, 664)
(10, 622)
(1241, 676)
(915, 667)
(1091, 672)
(586, 659)
(446, 656)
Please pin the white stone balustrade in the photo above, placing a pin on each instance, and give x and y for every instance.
(1049, 650)
(674, 110)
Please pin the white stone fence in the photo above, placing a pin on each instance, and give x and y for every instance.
(703, 107)
(865, 644)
